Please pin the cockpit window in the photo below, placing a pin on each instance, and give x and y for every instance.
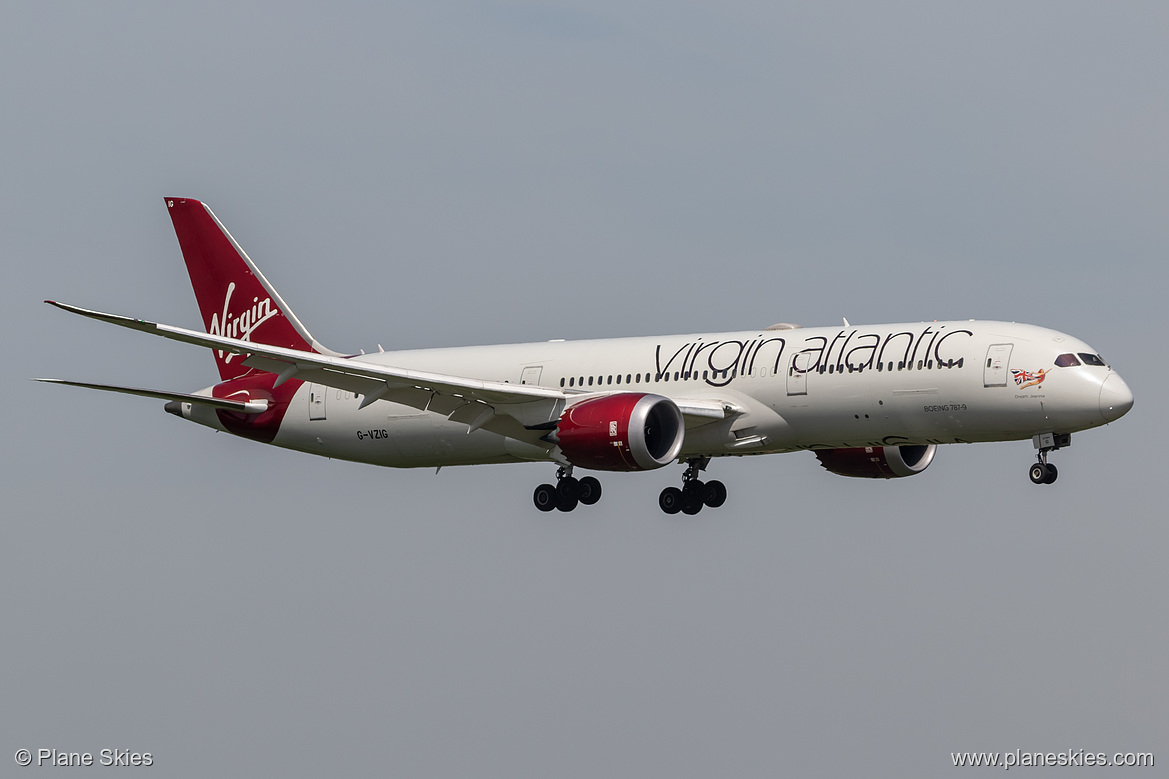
(1066, 361)
(1092, 359)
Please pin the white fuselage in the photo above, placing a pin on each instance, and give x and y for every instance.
(801, 388)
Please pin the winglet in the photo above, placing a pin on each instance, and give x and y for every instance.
(116, 319)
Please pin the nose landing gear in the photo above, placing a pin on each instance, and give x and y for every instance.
(694, 493)
(1043, 472)
(568, 492)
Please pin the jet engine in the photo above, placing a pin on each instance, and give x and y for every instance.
(628, 431)
(878, 462)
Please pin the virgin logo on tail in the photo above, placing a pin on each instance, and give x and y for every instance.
(240, 326)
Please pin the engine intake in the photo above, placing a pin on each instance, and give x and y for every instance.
(628, 431)
(878, 462)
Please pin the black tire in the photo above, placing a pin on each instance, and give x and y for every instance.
(715, 494)
(545, 497)
(692, 503)
(568, 487)
(1038, 473)
(670, 501)
(1052, 474)
(589, 490)
(566, 503)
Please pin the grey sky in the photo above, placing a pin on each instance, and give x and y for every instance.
(453, 173)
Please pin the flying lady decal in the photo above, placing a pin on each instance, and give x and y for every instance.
(1027, 379)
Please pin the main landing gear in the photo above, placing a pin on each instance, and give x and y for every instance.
(694, 493)
(568, 492)
(1044, 472)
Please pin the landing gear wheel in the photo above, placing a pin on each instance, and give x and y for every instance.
(1052, 474)
(566, 488)
(693, 492)
(589, 490)
(566, 502)
(714, 493)
(1038, 473)
(545, 497)
(670, 500)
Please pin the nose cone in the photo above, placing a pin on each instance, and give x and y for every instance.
(1115, 398)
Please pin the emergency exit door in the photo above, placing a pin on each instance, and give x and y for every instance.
(316, 401)
(797, 373)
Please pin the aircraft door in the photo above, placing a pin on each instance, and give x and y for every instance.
(531, 375)
(797, 373)
(316, 401)
(998, 358)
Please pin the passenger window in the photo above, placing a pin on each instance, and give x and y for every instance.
(628, 378)
(562, 382)
(1092, 359)
(1066, 361)
(610, 379)
(590, 381)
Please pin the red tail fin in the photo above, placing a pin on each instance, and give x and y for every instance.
(234, 297)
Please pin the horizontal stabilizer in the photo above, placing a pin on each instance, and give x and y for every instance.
(238, 406)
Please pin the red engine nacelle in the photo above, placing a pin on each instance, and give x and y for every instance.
(878, 462)
(630, 431)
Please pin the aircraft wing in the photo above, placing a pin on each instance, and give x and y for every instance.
(519, 411)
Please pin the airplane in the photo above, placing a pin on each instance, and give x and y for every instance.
(870, 401)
